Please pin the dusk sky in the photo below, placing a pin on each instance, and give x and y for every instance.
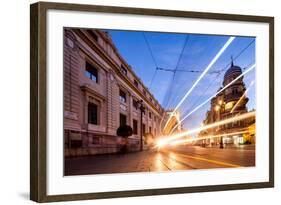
(198, 52)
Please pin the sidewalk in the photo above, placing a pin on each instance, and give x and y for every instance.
(113, 163)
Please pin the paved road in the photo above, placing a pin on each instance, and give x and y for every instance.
(180, 158)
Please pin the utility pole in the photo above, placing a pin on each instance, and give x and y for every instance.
(140, 103)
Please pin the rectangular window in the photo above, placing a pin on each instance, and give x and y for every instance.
(135, 127)
(91, 72)
(123, 70)
(122, 96)
(154, 118)
(135, 104)
(150, 130)
(149, 114)
(92, 113)
(136, 83)
(123, 119)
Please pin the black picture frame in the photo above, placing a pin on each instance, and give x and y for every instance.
(38, 100)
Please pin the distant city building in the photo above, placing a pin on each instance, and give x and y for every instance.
(171, 123)
(102, 92)
(229, 103)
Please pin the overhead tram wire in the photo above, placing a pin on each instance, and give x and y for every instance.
(153, 59)
(221, 51)
(168, 92)
(221, 90)
(218, 72)
(187, 70)
(221, 71)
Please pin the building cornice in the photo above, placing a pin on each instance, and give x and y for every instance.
(86, 88)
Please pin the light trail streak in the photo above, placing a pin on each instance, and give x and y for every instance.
(176, 142)
(199, 106)
(234, 107)
(229, 41)
(201, 128)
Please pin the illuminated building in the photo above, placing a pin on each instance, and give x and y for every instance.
(229, 103)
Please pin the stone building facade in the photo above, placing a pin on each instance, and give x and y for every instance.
(229, 103)
(101, 92)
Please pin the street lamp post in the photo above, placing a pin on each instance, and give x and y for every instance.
(140, 103)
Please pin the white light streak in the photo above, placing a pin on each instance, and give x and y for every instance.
(176, 142)
(199, 106)
(229, 41)
(199, 129)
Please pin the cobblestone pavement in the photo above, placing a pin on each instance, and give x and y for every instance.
(180, 158)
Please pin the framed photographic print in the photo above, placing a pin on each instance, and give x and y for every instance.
(134, 102)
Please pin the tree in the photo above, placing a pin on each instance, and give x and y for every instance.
(124, 131)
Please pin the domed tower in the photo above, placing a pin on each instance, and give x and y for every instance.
(229, 103)
(234, 100)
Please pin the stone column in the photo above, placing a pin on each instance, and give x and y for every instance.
(86, 110)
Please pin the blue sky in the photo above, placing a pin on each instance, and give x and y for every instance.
(198, 52)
